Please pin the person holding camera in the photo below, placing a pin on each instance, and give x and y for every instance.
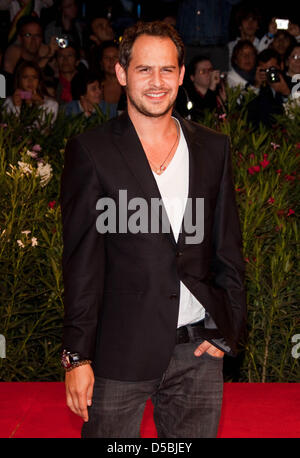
(30, 46)
(66, 24)
(282, 41)
(29, 91)
(273, 90)
(204, 89)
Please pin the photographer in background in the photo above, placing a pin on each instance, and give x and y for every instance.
(30, 91)
(30, 46)
(203, 89)
(67, 24)
(273, 90)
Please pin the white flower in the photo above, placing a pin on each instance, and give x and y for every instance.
(12, 172)
(34, 241)
(33, 154)
(25, 167)
(20, 243)
(25, 232)
(44, 171)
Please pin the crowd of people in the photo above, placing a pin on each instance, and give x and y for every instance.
(68, 63)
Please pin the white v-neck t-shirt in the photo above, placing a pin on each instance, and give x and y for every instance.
(173, 185)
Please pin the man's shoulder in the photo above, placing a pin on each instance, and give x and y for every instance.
(97, 136)
(201, 132)
(14, 49)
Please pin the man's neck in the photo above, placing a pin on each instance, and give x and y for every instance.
(151, 129)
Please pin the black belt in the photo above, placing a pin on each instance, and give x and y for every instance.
(191, 332)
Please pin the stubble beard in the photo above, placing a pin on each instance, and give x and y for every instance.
(141, 108)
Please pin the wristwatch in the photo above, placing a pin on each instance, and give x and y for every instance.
(71, 360)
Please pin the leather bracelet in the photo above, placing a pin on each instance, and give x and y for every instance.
(79, 363)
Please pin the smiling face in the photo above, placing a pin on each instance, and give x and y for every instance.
(152, 77)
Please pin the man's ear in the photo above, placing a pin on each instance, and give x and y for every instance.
(121, 74)
(181, 75)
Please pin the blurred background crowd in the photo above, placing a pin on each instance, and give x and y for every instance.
(60, 54)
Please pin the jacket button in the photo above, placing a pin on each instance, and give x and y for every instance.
(173, 296)
(178, 254)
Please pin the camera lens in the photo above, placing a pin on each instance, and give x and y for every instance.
(62, 42)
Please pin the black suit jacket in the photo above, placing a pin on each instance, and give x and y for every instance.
(122, 289)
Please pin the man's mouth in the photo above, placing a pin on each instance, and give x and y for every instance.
(155, 95)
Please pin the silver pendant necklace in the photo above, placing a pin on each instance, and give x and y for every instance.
(163, 167)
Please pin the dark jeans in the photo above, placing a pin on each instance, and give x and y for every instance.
(187, 400)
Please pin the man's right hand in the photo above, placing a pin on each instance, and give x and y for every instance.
(79, 389)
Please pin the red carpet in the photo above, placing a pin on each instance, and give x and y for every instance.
(249, 410)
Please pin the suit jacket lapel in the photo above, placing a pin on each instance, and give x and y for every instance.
(132, 150)
(196, 169)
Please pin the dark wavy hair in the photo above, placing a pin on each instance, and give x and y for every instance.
(41, 89)
(154, 29)
(80, 83)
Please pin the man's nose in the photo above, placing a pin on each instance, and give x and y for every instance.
(156, 78)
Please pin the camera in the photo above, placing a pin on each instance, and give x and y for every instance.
(223, 76)
(62, 42)
(25, 95)
(282, 24)
(272, 75)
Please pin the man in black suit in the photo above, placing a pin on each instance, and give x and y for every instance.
(153, 297)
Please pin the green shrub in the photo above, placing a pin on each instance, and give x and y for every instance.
(266, 175)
